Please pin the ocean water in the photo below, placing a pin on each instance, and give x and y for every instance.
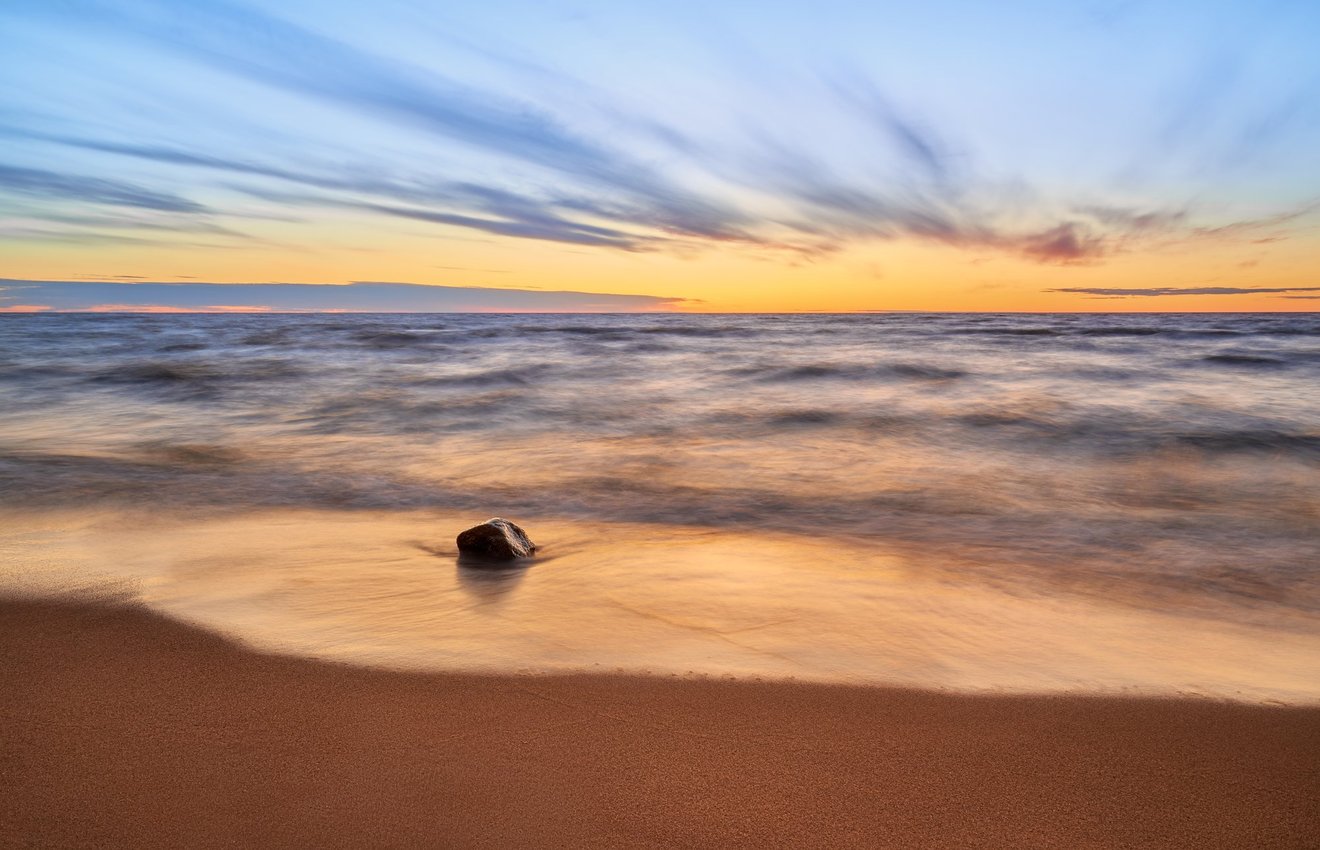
(975, 501)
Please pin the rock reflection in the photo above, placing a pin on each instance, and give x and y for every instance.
(489, 583)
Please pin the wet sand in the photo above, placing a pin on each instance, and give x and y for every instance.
(125, 729)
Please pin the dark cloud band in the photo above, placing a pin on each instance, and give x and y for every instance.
(360, 296)
(1162, 291)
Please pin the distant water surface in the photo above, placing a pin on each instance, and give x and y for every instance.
(1154, 466)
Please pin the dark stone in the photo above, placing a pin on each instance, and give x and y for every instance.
(496, 540)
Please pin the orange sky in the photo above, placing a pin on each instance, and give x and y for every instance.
(897, 274)
(948, 155)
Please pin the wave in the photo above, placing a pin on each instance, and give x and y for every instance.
(389, 339)
(1012, 331)
(1119, 331)
(1259, 440)
(522, 376)
(196, 373)
(1166, 444)
(848, 372)
(1249, 360)
(804, 418)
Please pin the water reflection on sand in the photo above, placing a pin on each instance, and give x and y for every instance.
(387, 589)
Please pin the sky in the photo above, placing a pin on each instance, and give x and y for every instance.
(694, 156)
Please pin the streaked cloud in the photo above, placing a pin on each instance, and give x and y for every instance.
(1161, 291)
(549, 228)
(269, 50)
(360, 296)
(633, 140)
(41, 183)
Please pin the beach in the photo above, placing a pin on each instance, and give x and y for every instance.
(801, 581)
(659, 425)
(126, 729)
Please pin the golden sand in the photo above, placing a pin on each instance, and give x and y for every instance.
(126, 729)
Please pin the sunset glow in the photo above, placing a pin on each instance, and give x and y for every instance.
(728, 157)
(631, 424)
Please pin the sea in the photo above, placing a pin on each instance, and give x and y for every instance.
(1108, 503)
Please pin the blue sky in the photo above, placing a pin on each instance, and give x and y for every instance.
(1052, 133)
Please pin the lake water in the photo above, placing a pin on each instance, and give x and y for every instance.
(1001, 502)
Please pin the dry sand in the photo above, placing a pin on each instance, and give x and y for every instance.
(124, 729)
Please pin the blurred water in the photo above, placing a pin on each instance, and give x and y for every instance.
(1164, 463)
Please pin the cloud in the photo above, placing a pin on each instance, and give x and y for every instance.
(11, 233)
(359, 296)
(134, 307)
(1066, 243)
(154, 221)
(96, 190)
(957, 210)
(277, 53)
(1091, 234)
(1135, 220)
(540, 175)
(1162, 291)
(611, 185)
(518, 215)
(917, 144)
(548, 228)
(1251, 227)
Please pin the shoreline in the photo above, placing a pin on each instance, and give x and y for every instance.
(125, 728)
(379, 588)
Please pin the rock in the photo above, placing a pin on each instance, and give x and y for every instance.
(496, 540)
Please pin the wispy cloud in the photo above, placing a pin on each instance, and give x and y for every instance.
(275, 52)
(41, 183)
(359, 296)
(1258, 231)
(135, 307)
(1161, 291)
(549, 228)
(1065, 243)
(916, 144)
(543, 171)
(24, 233)
(643, 208)
(156, 221)
(448, 202)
